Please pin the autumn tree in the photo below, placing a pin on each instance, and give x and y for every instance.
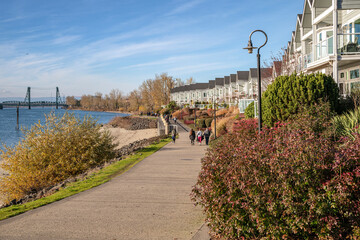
(72, 102)
(190, 80)
(134, 100)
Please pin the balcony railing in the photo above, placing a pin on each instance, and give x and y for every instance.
(349, 43)
(299, 65)
(324, 48)
(307, 59)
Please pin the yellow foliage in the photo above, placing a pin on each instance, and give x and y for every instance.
(142, 108)
(177, 114)
(234, 110)
(221, 124)
(52, 152)
(221, 112)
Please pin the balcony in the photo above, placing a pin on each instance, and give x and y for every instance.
(349, 44)
(307, 59)
(324, 48)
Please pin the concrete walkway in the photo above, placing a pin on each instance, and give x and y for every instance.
(150, 201)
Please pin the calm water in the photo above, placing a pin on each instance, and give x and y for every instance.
(10, 136)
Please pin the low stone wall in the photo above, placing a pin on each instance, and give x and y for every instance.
(121, 153)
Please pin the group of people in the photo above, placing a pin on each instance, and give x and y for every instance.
(199, 136)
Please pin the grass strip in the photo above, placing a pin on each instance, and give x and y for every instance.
(96, 179)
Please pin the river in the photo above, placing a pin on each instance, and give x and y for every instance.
(9, 135)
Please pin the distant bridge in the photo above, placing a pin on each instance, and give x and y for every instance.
(28, 103)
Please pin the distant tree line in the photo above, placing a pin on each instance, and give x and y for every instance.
(150, 96)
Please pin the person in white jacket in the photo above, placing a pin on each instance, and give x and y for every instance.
(199, 136)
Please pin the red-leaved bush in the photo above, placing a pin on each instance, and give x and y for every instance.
(293, 181)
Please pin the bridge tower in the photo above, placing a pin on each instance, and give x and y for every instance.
(58, 98)
(28, 98)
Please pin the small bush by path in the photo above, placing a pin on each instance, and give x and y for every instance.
(52, 152)
(96, 179)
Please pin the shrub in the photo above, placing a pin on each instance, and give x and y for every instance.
(220, 125)
(221, 112)
(52, 152)
(188, 118)
(347, 124)
(250, 111)
(177, 114)
(293, 181)
(200, 123)
(287, 93)
(208, 122)
(172, 106)
(233, 111)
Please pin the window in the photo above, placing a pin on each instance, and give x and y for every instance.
(354, 74)
(204, 94)
(342, 75)
(341, 88)
(357, 30)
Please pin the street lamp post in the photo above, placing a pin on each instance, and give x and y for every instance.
(250, 50)
(214, 113)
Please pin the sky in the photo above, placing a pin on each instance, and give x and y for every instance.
(89, 46)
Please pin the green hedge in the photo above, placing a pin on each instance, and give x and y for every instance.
(287, 93)
(249, 111)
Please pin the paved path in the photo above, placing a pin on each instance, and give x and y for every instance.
(150, 201)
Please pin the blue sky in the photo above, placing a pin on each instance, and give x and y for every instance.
(88, 46)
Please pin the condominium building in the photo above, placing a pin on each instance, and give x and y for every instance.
(326, 39)
(228, 89)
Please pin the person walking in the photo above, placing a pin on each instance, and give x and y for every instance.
(173, 135)
(207, 134)
(192, 136)
(175, 119)
(199, 136)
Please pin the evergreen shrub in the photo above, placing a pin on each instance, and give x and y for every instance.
(293, 181)
(286, 94)
(200, 123)
(250, 111)
(208, 122)
(60, 148)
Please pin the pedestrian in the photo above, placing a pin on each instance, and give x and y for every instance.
(175, 120)
(173, 134)
(192, 136)
(199, 136)
(207, 134)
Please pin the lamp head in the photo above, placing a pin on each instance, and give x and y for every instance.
(250, 46)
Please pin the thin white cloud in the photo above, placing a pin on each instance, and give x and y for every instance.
(66, 39)
(185, 7)
(13, 19)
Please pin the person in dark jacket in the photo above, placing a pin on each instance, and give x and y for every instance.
(207, 134)
(173, 135)
(192, 136)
